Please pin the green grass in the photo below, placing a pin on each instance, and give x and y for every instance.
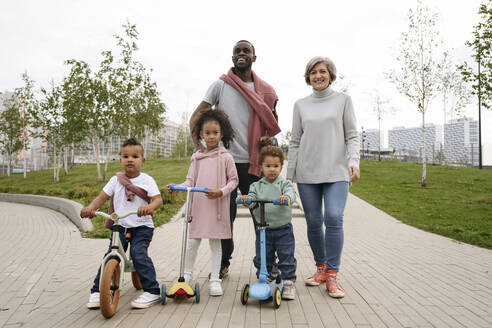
(457, 202)
(81, 185)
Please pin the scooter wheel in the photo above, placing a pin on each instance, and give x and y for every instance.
(197, 292)
(245, 294)
(163, 294)
(277, 297)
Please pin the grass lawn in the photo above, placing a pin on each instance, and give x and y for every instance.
(456, 203)
(81, 185)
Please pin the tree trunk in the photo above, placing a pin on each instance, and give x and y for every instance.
(108, 153)
(73, 154)
(58, 165)
(9, 159)
(54, 162)
(424, 155)
(379, 141)
(25, 165)
(95, 144)
(65, 160)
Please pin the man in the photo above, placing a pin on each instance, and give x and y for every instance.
(250, 104)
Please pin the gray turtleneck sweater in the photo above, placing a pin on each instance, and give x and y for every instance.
(324, 141)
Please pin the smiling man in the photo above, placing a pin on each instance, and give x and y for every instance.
(250, 104)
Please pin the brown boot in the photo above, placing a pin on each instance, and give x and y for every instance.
(318, 277)
(332, 285)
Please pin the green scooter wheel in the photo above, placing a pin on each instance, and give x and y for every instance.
(197, 292)
(163, 294)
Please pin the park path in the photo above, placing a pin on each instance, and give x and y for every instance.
(394, 276)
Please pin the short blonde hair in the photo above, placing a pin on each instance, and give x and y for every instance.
(332, 69)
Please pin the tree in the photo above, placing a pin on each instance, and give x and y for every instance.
(56, 125)
(380, 108)
(11, 129)
(482, 79)
(28, 105)
(453, 89)
(184, 143)
(416, 77)
(84, 102)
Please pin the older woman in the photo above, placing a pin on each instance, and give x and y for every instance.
(323, 159)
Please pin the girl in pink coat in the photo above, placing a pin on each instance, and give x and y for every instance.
(214, 168)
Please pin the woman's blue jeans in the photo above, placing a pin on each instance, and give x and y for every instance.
(326, 244)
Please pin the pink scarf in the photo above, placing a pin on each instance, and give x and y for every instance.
(263, 118)
(130, 191)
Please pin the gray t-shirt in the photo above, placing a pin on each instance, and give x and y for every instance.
(228, 99)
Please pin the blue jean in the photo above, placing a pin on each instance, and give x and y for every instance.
(326, 244)
(141, 237)
(282, 241)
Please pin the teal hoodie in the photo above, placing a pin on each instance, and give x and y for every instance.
(275, 216)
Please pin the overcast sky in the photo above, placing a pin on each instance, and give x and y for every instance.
(188, 44)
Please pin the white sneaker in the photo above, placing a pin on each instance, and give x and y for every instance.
(188, 276)
(93, 301)
(215, 287)
(146, 300)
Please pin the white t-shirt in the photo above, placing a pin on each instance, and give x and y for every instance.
(238, 109)
(122, 206)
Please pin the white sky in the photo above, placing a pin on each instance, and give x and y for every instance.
(189, 44)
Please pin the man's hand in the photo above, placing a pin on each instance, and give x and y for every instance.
(354, 173)
(87, 212)
(145, 210)
(214, 193)
(266, 140)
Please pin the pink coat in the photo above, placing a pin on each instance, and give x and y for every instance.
(215, 170)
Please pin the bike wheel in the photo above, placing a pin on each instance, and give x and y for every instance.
(136, 281)
(277, 297)
(110, 291)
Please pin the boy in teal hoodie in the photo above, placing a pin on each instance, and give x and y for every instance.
(279, 234)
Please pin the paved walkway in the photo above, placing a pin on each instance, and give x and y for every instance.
(393, 275)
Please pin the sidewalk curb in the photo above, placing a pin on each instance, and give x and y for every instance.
(67, 207)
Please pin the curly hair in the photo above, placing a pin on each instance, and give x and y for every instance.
(268, 150)
(219, 116)
(132, 142)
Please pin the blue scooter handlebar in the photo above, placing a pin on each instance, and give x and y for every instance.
(250, 200)
(184, 188)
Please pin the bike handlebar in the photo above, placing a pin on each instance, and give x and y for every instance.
(275, 201)
(184, 188)
(115, 216)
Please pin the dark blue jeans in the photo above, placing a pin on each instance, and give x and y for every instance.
(245, 180)
(282, 241)
(326, 244)
(141, 237)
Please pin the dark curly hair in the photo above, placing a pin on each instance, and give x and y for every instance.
(219, 116)
(268, 150)
(132, 142)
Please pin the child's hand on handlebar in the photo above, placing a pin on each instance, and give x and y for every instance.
(244, 198)
(87, 212)
(283, 199)
(145, 210)
(214, 193)
(169, 189)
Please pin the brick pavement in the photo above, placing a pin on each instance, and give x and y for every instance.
(394, 276)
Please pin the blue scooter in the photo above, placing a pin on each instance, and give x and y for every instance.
(263, 289)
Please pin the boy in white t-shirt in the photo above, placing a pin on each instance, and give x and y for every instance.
(131, 191)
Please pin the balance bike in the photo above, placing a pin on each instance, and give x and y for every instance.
(181, 288)
(112, 265)
(263, 289)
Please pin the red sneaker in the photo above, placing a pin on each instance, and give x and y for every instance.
(318, 277)
(332, 285)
